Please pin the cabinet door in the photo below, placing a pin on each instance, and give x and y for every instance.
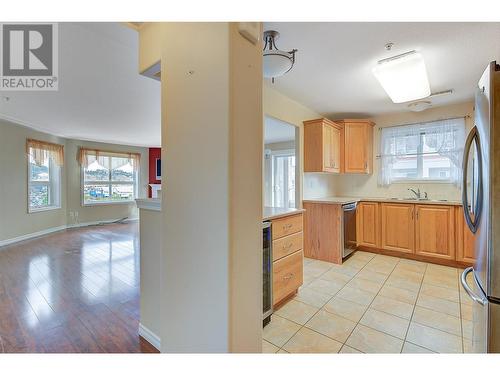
(335, 142)
(398, 227)
(435, 231)
(287, 276)
(356, 141)
(465, 239)
(368, 224)
(328, 148)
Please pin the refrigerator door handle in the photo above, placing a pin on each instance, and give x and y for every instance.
(463, 280)
(472, 223)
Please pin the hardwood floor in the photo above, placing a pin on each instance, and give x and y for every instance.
(72, 291)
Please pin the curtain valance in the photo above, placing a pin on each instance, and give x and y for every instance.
(41, 151)
(87, 156)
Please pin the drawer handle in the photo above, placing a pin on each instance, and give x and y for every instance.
(285, 247)
(287, 226)
(288, 277)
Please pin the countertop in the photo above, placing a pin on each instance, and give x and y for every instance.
(277, 212)
(152, 204)
(344, 200)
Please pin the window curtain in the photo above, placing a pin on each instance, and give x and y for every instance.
(40, 151)
(87, 156)
(444, 137)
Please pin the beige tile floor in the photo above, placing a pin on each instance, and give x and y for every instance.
(373, 304)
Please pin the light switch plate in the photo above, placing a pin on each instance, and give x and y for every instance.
(250, 31)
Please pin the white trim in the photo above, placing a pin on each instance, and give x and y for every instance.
(31, 235)
(34, 210)
(44, 232)
(90, 223)
(149, 336)
(152, 204)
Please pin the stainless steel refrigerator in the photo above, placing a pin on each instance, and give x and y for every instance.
(481, 202)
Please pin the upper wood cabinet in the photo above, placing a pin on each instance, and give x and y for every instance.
(435, 231)
(466, 251)
(358, 146)
(368, 224)
(322, 146)
(398, 227)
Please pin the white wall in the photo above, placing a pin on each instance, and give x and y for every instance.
(15, 221)
(279, 106)
(366, 185)
(212, 140)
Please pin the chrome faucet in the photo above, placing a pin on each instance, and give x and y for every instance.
(417, 193)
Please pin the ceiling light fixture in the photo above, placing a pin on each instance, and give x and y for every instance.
(276, 63)
(403, 77)
(419, 106)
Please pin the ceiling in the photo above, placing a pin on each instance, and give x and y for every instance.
(332, 74)
(277, 131)
(101, 95)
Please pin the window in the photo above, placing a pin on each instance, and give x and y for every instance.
(108, 177)
(283, 175)
(44, 175)
(429, 151)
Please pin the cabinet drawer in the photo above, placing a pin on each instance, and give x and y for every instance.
(286, 225)
(287, 245)
(287, 275)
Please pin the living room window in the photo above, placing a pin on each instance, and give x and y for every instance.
(108, 177)
(45, 161)
(424, 152)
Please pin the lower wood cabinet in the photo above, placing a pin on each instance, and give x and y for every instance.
(398, 227)
(288, 258)
(435, 231)
(465, 242)
(287, 276)
(422, 231)
(368, 224)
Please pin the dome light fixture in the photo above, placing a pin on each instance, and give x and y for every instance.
(276, 63)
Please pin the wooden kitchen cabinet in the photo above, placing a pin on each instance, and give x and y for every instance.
(435, 231)
(465, 242)
(368, 224)
(358, 146)
(322, 231)
(322, 146)
(287, 276)
(398, 227)
(287, 235)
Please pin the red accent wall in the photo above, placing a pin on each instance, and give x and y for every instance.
(154, 153)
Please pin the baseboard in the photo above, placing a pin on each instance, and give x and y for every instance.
(29, 236)
(149, 336)
(91, 223)
(44, 232)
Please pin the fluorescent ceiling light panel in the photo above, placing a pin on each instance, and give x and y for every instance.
(403, 77)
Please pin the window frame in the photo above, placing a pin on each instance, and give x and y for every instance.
(420, 155)
(420, 162)
(274, 156)
(109, 183)
(54, 186)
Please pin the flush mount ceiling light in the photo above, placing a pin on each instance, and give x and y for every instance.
(403, 77)
(276, 62)
(419, 106)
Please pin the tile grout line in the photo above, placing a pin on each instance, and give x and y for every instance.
(413, 311)
(368, 307)
(320, 309)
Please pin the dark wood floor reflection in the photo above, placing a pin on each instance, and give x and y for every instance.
(72, 291)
